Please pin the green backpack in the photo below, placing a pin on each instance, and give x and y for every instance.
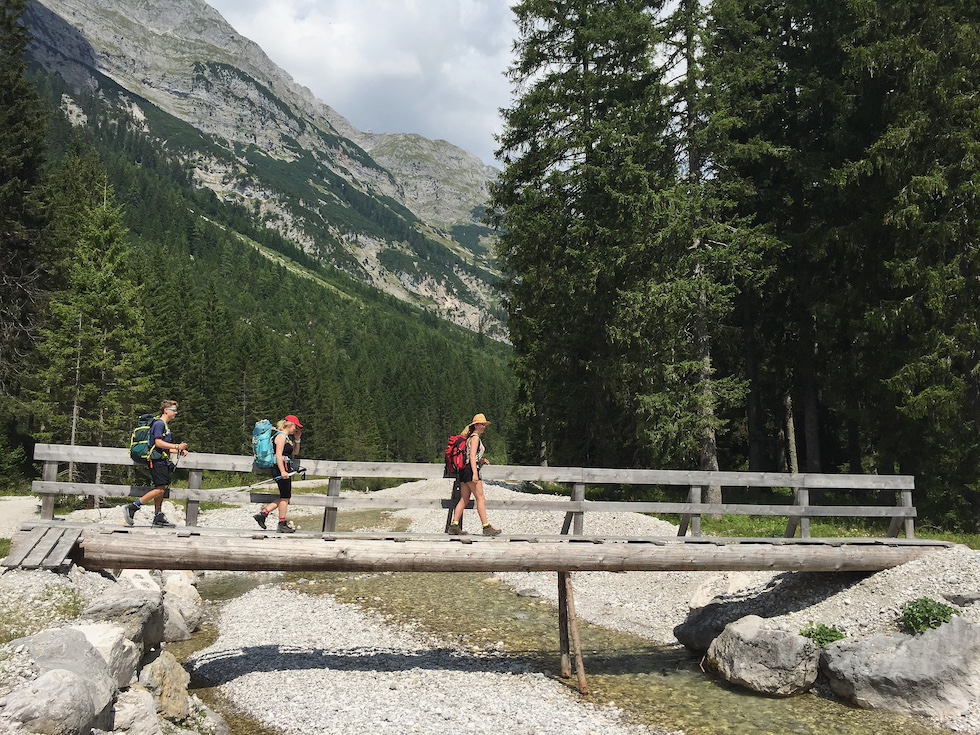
(139, 444)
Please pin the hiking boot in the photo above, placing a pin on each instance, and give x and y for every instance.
(260, 519)
(161, 521)
(489, 530)
(284, 527)
(129, 513)
(455, 530)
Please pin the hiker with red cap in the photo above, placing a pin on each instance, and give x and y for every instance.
(286, 441)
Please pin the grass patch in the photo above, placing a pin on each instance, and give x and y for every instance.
(4, 547)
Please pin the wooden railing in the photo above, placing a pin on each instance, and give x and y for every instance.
(798, 513)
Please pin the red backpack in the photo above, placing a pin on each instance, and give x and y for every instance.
(455, 455)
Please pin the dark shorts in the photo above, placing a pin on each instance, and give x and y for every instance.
(466, 474)
(285, 485)
(160, 472)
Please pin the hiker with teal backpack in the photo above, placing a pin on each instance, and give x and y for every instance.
(285, 445)
(469, 478)
(159, 444)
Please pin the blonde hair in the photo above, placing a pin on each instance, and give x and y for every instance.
(164, 405)
(281, 425)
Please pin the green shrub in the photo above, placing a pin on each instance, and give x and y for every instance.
(822, 635)
(924, 614)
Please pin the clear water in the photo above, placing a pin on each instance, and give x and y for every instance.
(659, 686)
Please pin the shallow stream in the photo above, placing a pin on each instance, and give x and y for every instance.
(659, 686)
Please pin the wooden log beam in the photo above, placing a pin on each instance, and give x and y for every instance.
(166, 549)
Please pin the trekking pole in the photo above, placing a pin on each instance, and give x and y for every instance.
(301, 470)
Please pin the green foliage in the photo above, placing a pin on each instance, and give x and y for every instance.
(924, 614)
(822, 635)
(233, 321)
(28, 266)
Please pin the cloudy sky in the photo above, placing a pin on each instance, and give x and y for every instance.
(432, 67)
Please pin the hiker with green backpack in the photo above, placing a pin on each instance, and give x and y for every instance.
(285, 443)
(159, 442)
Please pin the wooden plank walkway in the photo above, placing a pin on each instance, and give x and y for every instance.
(44, 547)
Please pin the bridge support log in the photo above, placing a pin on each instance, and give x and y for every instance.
(156, 549)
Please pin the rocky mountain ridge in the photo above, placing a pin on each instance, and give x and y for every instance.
(398, 211)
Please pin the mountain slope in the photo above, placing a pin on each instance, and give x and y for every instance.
(396, 211)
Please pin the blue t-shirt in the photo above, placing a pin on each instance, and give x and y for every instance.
(159, 430)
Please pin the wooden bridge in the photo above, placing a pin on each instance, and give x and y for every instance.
(51, 543)
(54, 544)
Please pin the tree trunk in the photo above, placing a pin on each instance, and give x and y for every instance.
(791, 456)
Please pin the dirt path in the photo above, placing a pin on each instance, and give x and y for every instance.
(14, 510)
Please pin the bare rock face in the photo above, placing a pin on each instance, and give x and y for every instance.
(182, 57)
(766, 660)
(934, 673)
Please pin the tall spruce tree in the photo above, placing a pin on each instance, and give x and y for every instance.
(582, 148)
(94, 362)
(26, 263)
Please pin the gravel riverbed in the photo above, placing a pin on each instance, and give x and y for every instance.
(311, 664)
(370, 676)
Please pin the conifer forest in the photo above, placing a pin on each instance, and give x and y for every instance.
(735, 234)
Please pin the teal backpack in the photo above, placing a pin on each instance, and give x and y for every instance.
(262, 446)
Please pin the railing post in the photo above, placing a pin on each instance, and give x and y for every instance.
(905, 501)
(691, 519)
(578, 518)
(49, 473)
(801, 497)
(195, 479)
(330, 514)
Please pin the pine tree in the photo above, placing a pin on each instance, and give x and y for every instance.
(94, 373)
(26, 263)
(582, 149)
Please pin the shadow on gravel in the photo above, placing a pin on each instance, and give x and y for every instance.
(221, 668)
(786, 593)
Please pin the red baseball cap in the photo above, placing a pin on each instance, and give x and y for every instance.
(293, 420)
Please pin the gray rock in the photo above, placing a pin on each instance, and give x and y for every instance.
(138, 612)
(56, 703)
(705, 624)
(67, 649)
(121, 654)
(179, 588)
(936, 673)
(135, 713)
(962, 600)
(164, 677)
(175, 628)
(766, 660)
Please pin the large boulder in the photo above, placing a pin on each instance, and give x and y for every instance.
(164, 677)
(135, 713)
(121, 654)
(767, 660)
(138, 612)
(936, 673)
(75, 685)
(56, 703)
(180, 589)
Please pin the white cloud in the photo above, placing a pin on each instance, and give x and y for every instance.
(433, 67)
